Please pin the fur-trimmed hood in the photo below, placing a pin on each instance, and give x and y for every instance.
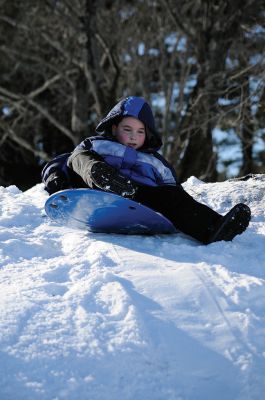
(135, 107)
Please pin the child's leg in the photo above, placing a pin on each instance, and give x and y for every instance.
(187, 214)
(192, 217)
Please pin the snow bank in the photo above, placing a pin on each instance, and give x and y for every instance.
(108, 317)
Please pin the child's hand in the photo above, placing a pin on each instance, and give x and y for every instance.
(108, 179)
(56, 181)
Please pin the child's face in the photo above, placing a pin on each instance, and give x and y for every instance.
(130, 132)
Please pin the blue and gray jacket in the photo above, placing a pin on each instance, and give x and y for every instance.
(144, 166)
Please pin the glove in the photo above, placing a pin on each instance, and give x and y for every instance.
(108, 179)
(55, 182)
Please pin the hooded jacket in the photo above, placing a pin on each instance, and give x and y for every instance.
(144, 166)
(135, 107)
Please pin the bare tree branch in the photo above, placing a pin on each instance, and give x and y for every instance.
(176, 18)
(26, 145)
(51, 119)
(45, 113)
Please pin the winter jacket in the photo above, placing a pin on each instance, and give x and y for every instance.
(144, 166)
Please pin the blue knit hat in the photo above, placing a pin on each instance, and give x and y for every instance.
(135, 107)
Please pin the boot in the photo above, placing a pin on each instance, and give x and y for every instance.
(233, 223)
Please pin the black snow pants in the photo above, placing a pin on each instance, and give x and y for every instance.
(187, 215)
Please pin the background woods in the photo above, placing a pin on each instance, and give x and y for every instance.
(63, 64)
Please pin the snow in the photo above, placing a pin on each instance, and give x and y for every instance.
(109, 317)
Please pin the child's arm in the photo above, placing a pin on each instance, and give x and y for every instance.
(81, 162)
(98, 174)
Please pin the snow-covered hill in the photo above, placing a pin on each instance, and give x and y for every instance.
(109, 317)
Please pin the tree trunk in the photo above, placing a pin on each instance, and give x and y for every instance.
(247, 130)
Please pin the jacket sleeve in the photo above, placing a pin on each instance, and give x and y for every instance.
(81, 162)
(169, 173)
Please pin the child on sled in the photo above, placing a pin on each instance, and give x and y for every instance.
(123, 158)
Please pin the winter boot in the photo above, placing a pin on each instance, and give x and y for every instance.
(233, 223)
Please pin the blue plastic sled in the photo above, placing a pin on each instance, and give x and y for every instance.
(98, 211)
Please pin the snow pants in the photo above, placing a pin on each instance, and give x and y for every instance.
(187, 215)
